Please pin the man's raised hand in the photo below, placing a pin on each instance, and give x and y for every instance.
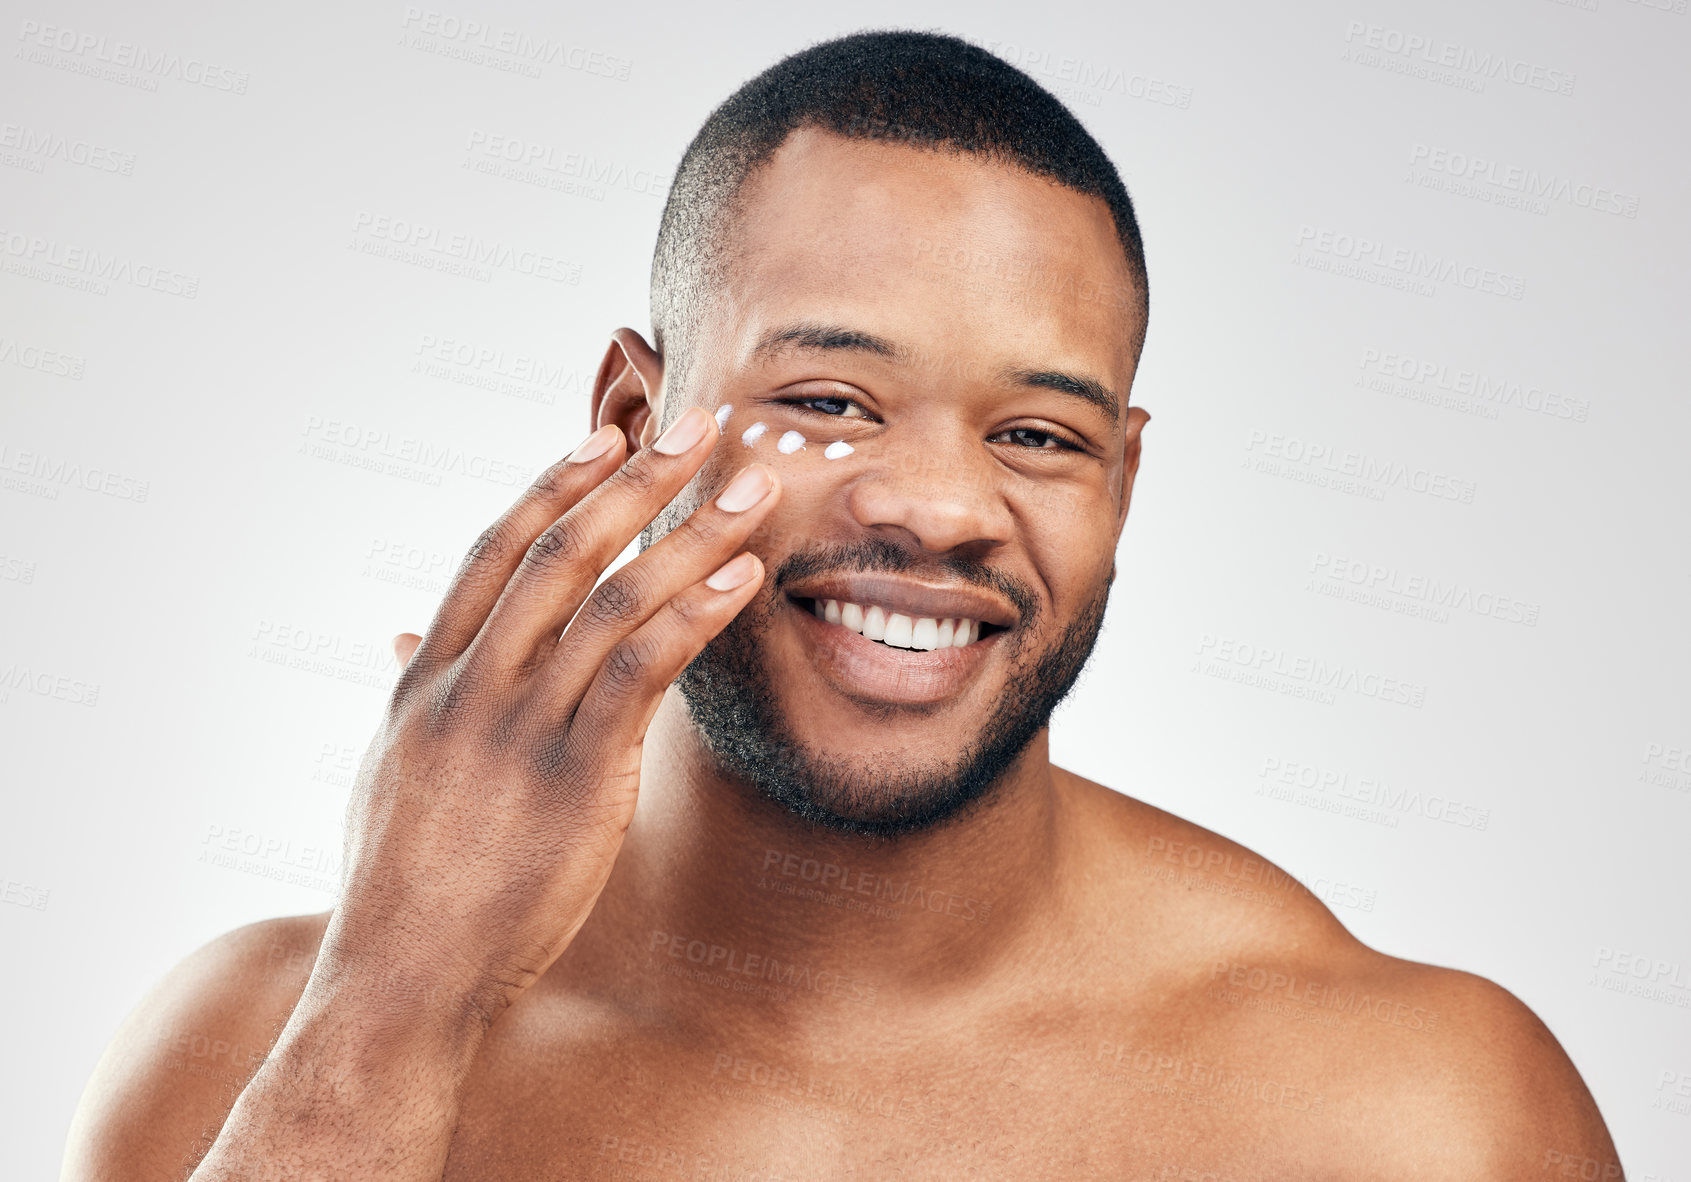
(492, 803)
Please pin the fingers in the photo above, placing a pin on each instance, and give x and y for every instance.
(404, 645)
(679, 560)
(629, 684)
(495, 556)
(559, 568)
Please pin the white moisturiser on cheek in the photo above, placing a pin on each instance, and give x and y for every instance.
(722, 413)
(837, 449)
(789, 443)
(754, 433)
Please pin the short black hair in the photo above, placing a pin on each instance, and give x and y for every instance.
(927, 89)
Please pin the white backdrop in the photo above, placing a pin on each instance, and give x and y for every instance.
(1402, 595)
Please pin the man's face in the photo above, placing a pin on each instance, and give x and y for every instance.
(961, 326)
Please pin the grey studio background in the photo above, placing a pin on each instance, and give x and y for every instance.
(1401, 602)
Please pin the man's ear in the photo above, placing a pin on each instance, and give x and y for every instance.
(629, 388)
(1136, 420)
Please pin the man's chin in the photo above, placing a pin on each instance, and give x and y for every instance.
(876, 796)
(910, 772)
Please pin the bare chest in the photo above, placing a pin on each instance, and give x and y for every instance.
(724, 1112)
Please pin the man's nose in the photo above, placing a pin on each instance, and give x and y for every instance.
(945, 496)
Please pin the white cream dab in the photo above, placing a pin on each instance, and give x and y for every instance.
(789, 443)
(754, 433)
(838, 448)
(722, 413)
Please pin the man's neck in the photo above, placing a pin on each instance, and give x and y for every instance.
(716, 881)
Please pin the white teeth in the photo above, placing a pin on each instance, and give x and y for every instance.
(922, 633)
(899, 628)
(925, 635)
(875, 624)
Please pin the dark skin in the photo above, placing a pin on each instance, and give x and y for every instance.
(596, 957)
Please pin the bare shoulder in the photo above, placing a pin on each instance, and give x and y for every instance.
(1400, 1069)
(172, 1072)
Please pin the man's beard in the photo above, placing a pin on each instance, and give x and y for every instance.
(733, 703)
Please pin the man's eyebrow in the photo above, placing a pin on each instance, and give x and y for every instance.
(810, 335)
(1089, 389)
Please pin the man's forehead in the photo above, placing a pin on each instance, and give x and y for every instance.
(937, 252)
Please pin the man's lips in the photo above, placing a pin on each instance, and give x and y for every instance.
(871, 671)
(898, 595)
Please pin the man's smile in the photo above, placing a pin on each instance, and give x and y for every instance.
(889, 640)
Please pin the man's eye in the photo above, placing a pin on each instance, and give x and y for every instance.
(1035, 439)
(841, 408)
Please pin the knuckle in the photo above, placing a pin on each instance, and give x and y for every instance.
(627, 665)
(489, 544)
(706, 530)
(560, 542)
(449, 698)
(406, 685)
(689, 610)
(549, 486)
(638, 476)
(620, 599)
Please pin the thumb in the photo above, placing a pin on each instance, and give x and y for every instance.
(404, 645)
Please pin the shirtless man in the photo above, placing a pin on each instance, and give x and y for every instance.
(817, 905)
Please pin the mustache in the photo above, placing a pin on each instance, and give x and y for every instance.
(885, 555)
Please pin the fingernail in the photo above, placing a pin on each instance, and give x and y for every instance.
(595, 445)
(745, 490)
(684, 433)
(736, 572)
